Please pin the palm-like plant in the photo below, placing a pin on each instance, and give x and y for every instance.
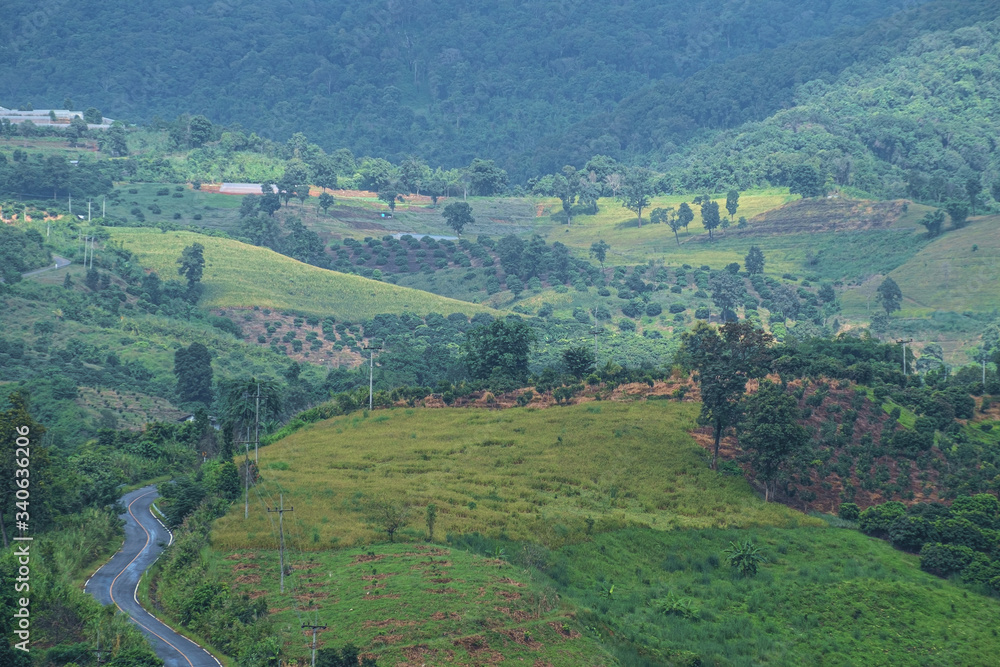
(744, 556)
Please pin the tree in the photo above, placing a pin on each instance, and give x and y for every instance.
(193, 368)
(579, 361)
(113, 140)
(93, 116)
(67, 282)
(806, 180)
(973, 186)
(727, 293)
(995, 190)
(636, 189)
(958, 211)
(200, 130)
(295, 181)
(192, 264)
(564, 187)
(732, 203)
(684, 216)
(500, 348)
(486, 178)
(515, 285)
(599, 251)
(390, 196)
(270, 200)
(614, 183)
(933, 221)
(710, 216)
(238, 405)
(326, 200)
(458, 214)
(889, 296)
(724, 360)
(768, 432)
(388, 514)
(754, 261)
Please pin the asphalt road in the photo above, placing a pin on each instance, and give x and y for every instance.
(117, 581)
(60, 263)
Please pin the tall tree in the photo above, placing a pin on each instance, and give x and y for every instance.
(579, 361)
(193, 368)
(727, 293)
(499, 349)
(754, 261)
(732, 203)
(889, 296)
(326, 200)
(933, 221)
(192, 264)
(390, 195)
(807, 181)
(599, 251)
(684, 216)
(768, 432)
(973, 186)
(636, 189)
(486, 178)
(564, 187)
(958, 211)
(710, 216)
(724, 360)
(458, 214)
(238, 405)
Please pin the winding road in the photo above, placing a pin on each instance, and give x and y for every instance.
(117, 581)
(60, 263)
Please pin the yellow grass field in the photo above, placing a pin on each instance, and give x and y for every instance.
(631, 244)
(238, 275)
(548, 475)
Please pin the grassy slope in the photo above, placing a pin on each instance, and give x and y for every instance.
(662, 522)
(241, 275)
(949, 275)
(531, 474)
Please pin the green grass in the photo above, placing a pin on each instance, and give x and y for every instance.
(825, 596)
(949, 275)
(238, 275)
(421, 603)
(525, 473)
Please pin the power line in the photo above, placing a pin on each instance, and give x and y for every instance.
(314, 629)
(281, 534)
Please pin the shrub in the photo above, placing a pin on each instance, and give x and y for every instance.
(849, 512)
(702, 313)
(877, 519)
(677, 308)
(654, 309)
(945, 559)
(910, 533)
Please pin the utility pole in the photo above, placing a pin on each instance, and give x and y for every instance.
(314, 629)
(104, 206)
(71, 203)
(596, 332)
(256, 427)
(88, 211)
(904, 342)
(246, 480)
(371, 371)
(281, 533)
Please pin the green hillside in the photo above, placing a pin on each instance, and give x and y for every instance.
(602, 535)
(238, 275)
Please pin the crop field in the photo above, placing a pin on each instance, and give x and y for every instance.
(238, 275)
(551, 475)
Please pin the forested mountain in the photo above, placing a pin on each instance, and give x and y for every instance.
(447, 80)
(920, 125)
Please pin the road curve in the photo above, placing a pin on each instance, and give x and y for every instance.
(60, 263)
(117, 580)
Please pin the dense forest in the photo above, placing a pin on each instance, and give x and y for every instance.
(451, 81)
